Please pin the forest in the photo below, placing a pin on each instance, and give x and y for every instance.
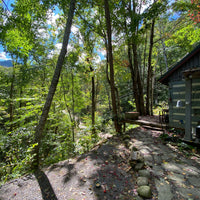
(78, 66)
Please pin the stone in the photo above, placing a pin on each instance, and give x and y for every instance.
(157, 159)
(172, 167)
(138, 198)
(157, 171)
(136, 156)
(142, 181)
(127, 142)
(144, 151)
(194, 181)
(144, 191)
(177, 178)
(132, 163)
(126, 137)
(144, 173)
(148, 158)
(191, 170)
(164, 190)
(139, 166)
(133, 148)
(188, 193)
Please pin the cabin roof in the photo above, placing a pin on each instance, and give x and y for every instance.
(164, 79)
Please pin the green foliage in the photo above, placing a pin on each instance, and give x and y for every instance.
(15, 152)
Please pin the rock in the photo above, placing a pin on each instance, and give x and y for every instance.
(138, 198)
(144, 191)
(126, 137)
(164, 189)
(144, 173)
(177, 178)
(136, 156)
(194, 181)
(139, 166)
(127, 142)
(132, 163)
(133, 148)
(142, 181)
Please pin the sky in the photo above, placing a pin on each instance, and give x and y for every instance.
(3, 55)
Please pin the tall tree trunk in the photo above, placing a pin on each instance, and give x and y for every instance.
(134, 82)
(149, 75)
(108, 79)
(67, 106)
(54, 82)
(138, 80)
(137, 85)
(152, 92)
(93, 104)
(144, 60)
(11, 106)
(112, 80)
(164, 48)
(73, 106)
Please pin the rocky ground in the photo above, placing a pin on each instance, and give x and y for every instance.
(135, 166)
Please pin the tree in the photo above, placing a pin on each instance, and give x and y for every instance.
(110, 55)
(52, 89)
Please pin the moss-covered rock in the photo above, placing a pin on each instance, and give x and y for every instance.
(144, 173)
(142, 181)
(144, 191)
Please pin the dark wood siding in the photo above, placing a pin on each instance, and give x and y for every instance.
(177, 92)
(177, 114)
(195, 102)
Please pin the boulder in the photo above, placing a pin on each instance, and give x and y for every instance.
(142, 181)
(139, 166)
(125, 137)
(144, 191)
(136, 156)
(144, 173)
(133, 148)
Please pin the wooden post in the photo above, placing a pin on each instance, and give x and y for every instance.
(188, 109)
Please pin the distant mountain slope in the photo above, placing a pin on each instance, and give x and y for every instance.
(6, 63)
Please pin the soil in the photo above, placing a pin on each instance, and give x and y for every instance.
(103, 173)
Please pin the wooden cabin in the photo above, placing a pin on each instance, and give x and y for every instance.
(183, 80)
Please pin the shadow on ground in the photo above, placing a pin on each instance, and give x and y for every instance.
(103, 173)
(45, 186)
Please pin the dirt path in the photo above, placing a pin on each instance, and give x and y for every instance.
(105, 173)
(99, 174)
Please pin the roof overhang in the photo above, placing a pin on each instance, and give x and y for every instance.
(164, 79)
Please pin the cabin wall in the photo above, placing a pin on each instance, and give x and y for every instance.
(195, 102)
(177, 114)
(177, 91)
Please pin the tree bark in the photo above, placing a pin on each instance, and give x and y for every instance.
(164, 48)
(11, 106)
(112, 80)
(93, 104)
(134, 83)
(52, 89)
(149, 75)
(144, 60)
(67, 106)
(137, 84)
(138, 81)
(73, 106)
